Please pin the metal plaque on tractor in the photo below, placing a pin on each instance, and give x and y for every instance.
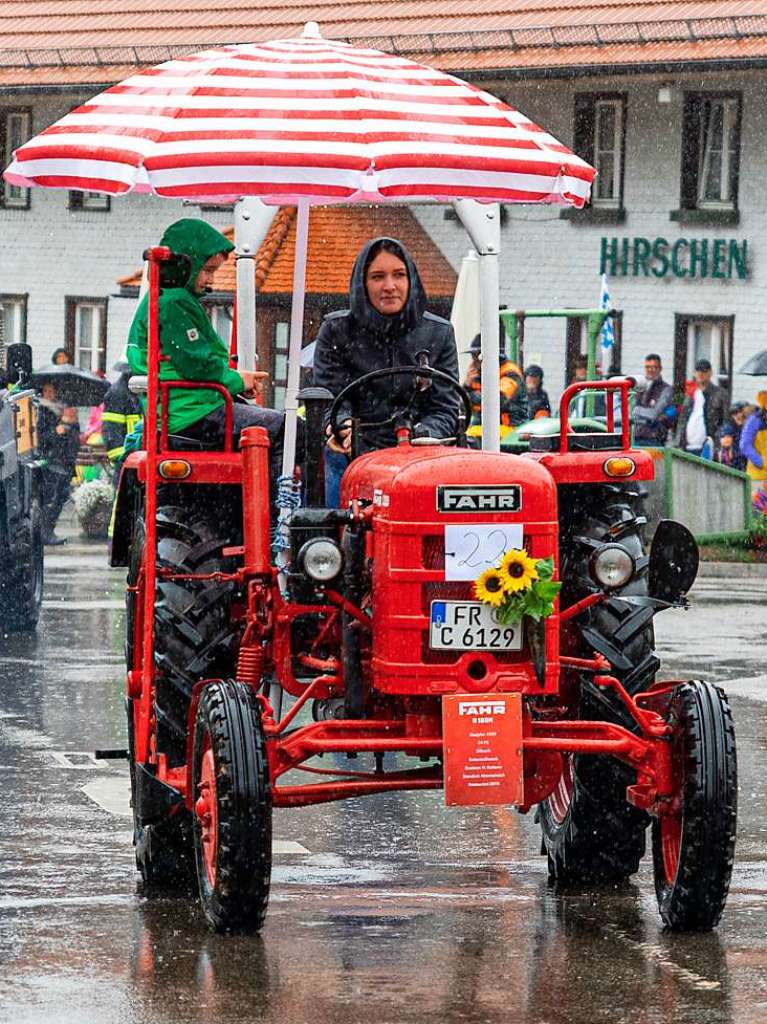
(483, 749)
(475, 498)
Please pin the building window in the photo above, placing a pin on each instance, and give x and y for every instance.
(703, 337)
(221, 317)
(89, 201)
(13, 319)
(599, 137)
(710, 151)
(86, 332)
(577, 344)
(15, 129)
(280, 363)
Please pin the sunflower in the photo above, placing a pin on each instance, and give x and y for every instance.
(517, 570)
(489, 587)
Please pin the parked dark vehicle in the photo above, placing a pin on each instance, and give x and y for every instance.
(21, 540)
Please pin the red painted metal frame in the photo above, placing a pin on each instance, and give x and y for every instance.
(167, 386)
(623, 385)
(649, 753)
(218, 467)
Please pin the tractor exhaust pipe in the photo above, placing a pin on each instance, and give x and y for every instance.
(316, 401)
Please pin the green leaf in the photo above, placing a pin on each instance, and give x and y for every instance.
(546, 590)
(545, 567)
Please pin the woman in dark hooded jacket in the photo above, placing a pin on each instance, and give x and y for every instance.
(386, 326)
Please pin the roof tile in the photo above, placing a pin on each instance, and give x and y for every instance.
(76, 42)
(336, 234)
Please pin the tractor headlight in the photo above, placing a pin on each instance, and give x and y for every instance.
(612, 566)
(321, 559)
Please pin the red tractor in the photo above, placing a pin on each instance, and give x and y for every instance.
(371, 619)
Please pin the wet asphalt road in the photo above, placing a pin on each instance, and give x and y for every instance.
(391, 909)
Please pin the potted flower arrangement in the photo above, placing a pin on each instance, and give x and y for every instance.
(93, 507)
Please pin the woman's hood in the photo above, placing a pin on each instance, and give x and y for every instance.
(368, 317)
(197, 240)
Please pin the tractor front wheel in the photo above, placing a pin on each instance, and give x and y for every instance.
(232, 808)
(693, 840)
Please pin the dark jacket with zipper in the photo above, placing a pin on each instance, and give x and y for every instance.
(358, 340)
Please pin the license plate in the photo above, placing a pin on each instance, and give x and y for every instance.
(470, 626)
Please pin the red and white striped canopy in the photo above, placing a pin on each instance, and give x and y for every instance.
(302, 118)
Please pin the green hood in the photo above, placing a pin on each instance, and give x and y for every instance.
(197, 240)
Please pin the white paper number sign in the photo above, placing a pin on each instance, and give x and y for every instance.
(471, 548)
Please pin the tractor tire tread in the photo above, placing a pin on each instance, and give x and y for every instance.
(239, 899)
(696, 899)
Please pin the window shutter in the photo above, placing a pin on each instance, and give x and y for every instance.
(583, 127)
(688, 199)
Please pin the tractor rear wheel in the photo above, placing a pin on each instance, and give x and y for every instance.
(164, 848)
(590, 832)
(694, 841)
(21, 591)
(195, 637)
(232, 809)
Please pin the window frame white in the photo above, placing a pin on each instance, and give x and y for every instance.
(75, 306)
(14, 197)
(730, 106)
(19, 303)
(616, 104)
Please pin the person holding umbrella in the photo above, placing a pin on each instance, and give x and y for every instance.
(58, 438)
(386, 325)
(195, 351)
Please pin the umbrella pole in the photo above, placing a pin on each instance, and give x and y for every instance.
(296, 338)
(483, 224)
(252, 220)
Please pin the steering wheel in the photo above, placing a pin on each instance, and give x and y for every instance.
(393, 371)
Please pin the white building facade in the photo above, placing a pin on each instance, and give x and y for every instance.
(677, 222)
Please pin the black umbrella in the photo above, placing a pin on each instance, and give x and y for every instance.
(756, 366)
(73, 385)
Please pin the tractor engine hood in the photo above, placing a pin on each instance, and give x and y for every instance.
(451, 485)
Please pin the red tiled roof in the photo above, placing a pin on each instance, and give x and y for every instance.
(79, 42)
(336, 234)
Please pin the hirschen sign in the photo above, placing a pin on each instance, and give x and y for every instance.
(695, 258)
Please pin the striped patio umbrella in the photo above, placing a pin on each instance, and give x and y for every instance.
(303, 118)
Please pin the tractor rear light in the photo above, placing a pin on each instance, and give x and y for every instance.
(321, 559)
(612, 566)
(174, 469)
(620, 466)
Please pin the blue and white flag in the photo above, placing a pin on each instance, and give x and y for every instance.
(607, 334)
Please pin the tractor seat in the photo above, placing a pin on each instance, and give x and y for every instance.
(577, 442)
(180, 443)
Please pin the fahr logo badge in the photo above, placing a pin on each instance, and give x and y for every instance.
(481, 707)
(480, 499)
